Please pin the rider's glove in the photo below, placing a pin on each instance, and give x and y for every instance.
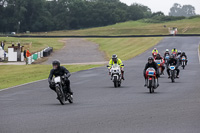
(67, 75)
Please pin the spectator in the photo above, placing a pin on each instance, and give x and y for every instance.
(25, 56)
(28, 54)
(2, 45)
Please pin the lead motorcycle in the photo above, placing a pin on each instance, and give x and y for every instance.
(173, 73)
(63, 97)
(152, 81)
(116, 75)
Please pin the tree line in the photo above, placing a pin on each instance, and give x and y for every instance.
(51, 15)
(43, 15)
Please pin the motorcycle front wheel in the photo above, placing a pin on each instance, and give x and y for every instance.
(60, 95)
(173, 77)
(151, 90)
(115, 82)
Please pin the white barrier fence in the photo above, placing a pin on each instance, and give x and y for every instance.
(44, 53)
(35, 57)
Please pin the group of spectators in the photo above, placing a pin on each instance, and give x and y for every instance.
(26, 52)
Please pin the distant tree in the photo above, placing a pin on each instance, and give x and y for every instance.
(137, 11)
(185, 10)
(157, 14)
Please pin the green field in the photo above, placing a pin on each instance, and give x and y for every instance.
(125, 48)
(35, 44)
(16, 75)
(185, 26)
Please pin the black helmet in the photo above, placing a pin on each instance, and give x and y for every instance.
(56, 62)
(158, 55)
(150, 58)
(183, 53)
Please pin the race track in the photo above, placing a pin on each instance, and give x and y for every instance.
(101, 108)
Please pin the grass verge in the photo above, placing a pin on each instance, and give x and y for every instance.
(125, 48)
(185, 26)
(16, 75)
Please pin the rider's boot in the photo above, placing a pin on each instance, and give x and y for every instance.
(123, 75)
(145, 85)
(157, 83)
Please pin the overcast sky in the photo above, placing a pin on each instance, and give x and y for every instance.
(164, 5)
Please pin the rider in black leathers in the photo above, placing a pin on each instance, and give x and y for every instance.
(184, 55)
(60, 71)
(152, 64)
(173, 62)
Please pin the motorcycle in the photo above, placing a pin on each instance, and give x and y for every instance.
(116, 75)
(174, 53)
(152, 81)
(166, 59)
(173, 73)
(159, 63)
(62, 96)
(183, 62)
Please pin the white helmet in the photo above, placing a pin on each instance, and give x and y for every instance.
(167, 50)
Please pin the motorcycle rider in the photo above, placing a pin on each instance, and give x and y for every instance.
(152, 64)
(178, 57)
(158, 57)
(166, 53)
(154, 51)
(173, 61)
(60, 71)
(184, 55)
(116, 60)
(179, 53)
(174, 50)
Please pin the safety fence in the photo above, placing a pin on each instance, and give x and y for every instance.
(44, 53)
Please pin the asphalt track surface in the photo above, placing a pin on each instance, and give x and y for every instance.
(101, 108)
(77, 50)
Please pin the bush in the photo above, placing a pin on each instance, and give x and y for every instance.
(161, 19)
(197, 16)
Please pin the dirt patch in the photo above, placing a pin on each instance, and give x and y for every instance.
(78, 51)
